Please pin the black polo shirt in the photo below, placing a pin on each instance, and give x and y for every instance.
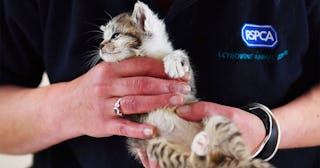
(242, 51)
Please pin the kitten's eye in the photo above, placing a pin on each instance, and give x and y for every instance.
(115, 36)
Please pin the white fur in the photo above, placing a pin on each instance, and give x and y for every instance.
(158, 45)
(117, 53)
(200, 144)
(171, 127)
(155, 44)
(176, 64)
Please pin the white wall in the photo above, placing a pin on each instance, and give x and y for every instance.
(9, 161)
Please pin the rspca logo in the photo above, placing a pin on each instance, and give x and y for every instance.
(263, 36)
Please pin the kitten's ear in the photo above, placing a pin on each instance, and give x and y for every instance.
(142, 14)
(102, 27)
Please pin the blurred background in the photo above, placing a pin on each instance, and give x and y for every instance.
(20, 161)
(10, 161)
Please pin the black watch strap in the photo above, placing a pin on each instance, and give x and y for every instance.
(264, 117)
(270, 144)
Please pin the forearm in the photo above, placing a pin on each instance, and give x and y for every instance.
(300, 120)
(33, 119)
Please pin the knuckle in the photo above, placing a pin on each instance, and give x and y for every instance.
(201, 107)
(130, 103)
(98, 90)
(100, 86)
(103, 68)
(140, 84)
(121, 130)
(232, 113)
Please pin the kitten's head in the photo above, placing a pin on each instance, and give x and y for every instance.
(121, 38)
(125, 34)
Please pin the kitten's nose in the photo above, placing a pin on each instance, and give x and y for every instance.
(101, 46)
(103, 43)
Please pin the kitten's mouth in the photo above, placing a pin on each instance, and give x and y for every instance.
(109, 53)
(112, 56)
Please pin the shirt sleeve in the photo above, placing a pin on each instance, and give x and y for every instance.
(20, 43)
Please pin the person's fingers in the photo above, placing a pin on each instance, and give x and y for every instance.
(252, 132)
(123, 127)
(193, 112)
(143, 157)
(139, 67)
(197, 111)
(142, 104)
(152, 162)
(146, 86)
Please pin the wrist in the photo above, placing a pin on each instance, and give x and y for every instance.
(270, 143)
(60, 114)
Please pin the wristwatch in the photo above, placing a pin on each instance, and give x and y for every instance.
(269, 146)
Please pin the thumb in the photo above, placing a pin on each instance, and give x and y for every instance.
(192, 112)
(123, 127)
(199, 110)
(143, 157)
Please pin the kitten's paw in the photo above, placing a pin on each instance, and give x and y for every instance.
(176, 64)
(200, 144)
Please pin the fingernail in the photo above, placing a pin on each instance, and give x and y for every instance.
(182, 88)
(183, 109)
(176, 100)
(148, 132)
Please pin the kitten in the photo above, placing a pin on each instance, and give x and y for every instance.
(214, 142)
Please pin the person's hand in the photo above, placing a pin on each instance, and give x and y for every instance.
(142, 86)
(146, 160)
(250, 126)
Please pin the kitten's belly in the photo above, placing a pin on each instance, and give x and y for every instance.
(172, 127)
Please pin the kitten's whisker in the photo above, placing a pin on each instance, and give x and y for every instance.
(94, 31)
(91, 58)
(104, 20)
(110, 16)
(92, 24)
(94, 38)
(96, 48)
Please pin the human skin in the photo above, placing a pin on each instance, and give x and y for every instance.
(302, 114)
(32, 119)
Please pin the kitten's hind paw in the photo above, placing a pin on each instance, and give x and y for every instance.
(176, 64)
(200, 144)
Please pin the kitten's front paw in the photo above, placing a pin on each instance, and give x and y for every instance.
(176, 64)
(200, 144)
